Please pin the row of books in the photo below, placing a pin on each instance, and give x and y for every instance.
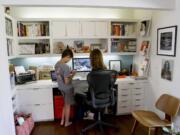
(31, 30)
(122, 29)
(123, 46)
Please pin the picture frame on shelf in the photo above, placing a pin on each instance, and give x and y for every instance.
(166, 41)
(78, 45)
(115, 65)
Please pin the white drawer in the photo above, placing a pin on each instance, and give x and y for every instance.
(137, 107)
(122, 102)
(124, 91)
(124, 97)
(137, 90)
(35, 96)
(39, 112)
(123, 109)
(138, 96)
(136, 102)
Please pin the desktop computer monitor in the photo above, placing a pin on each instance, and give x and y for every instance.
(81, 64)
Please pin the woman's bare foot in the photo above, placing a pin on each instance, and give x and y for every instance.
(62, 122)
(67, 124)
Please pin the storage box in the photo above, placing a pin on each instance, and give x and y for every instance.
(26, 49)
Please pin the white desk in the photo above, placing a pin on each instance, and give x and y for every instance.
(37, 98)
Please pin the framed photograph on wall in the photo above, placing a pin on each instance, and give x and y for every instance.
(167, 69)
(115, 65)
(166, 41)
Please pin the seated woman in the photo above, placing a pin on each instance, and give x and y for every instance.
(96, 60)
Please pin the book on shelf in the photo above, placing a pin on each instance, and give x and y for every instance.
(30, 30)
(9, 47)
(145, 28)
(119, 29)
(9, 27)
(145, 47)
(144, 67)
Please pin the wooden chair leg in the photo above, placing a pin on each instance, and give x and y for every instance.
(151, 131)
(134, 127)
(156, 131)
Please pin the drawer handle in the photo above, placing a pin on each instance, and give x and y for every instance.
(131, 83)
(138, 94)
(138, 99)
(124, 89)
(124, 101)
(37, 104)
(35, 88)
(137, 88)
(137, 105)
(124, 106)
(124, 95)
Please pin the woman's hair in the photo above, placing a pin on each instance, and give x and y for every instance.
(96, 59)
(67, 52)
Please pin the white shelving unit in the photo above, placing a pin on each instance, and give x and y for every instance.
(11, 50)
(10, 35)
(90, 31)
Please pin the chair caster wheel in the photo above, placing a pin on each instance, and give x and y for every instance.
(81, 133)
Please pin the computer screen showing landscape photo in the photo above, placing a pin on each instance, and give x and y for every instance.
(81, 64)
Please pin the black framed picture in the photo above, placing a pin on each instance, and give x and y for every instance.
(166, 41)
(115, 65)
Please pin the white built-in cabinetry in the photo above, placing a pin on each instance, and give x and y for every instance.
(36, 98)
(51, 32)
(131, 95)
(10, 40)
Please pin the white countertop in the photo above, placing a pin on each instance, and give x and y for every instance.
(50, 84)
(38, 84)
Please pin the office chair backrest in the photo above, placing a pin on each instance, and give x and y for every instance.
(168, 104)
(101, 82)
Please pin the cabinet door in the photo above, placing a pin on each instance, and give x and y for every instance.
(101, 28)
(35, 96)
(58, 29)
(40, 112)
(88, 28)
(73, 29)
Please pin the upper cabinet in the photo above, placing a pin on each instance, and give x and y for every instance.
(73, 29)
(58, 29)
(88, 28)
(63, 29)
(101, 28)
(79, 29)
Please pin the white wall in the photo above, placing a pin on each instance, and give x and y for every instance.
(67, 12)
(164, 19)
(151, 4)
(6, 112)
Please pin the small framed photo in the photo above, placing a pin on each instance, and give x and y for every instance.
(115, 65)
(166, 41)
(167, 69)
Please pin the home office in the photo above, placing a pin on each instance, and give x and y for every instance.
(127, 39)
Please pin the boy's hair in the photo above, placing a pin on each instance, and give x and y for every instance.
(67, 52)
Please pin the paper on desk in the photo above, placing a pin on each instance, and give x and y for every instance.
(19, 69)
